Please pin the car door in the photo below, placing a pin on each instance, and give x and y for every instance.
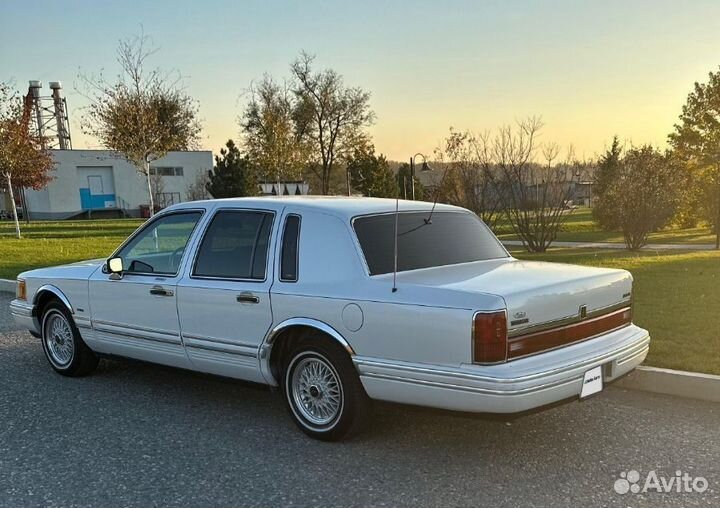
(224, 300)
(136, 315)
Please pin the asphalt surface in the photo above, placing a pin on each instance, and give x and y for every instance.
(134, 434)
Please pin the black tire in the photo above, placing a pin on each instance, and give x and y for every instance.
(69, 359)
(354, 405)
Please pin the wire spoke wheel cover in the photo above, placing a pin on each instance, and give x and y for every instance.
(58, 337)
(315, 389)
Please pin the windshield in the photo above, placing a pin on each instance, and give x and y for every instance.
(451, 238)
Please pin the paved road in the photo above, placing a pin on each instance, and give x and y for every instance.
(138, 435)
(616, 245)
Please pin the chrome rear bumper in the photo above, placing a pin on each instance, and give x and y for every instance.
(512, 387)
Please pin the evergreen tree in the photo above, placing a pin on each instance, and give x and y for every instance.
(606, 173)
(405, 184)
(371, 173)
(696, 141)
(233, 175)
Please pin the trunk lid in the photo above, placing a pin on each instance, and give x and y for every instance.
(537, 294)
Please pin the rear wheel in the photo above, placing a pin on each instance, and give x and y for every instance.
(323, 391)
(64, 348)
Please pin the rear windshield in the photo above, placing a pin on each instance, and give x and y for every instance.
(451, 238)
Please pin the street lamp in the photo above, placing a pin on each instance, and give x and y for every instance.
(424, 168)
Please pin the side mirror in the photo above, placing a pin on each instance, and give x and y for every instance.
(115, 267)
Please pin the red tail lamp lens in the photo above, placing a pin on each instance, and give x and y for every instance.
(490, 337)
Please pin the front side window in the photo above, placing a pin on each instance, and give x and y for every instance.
(158, 249)
(449, 238)
(235, 246)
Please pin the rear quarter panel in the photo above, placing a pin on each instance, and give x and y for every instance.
(414, 324)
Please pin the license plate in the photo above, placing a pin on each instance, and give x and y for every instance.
(592, 382)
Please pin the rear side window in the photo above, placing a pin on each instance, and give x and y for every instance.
(450, 238)
(235, 246)
(289, 250)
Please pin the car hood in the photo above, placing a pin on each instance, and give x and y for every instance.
(79, 270)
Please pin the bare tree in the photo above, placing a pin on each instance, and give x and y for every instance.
(534, 196)
(24, 162)
(198, 189)
(331, 115)
(271, 137)
(144, 114)
(469, 181)
(157, 184)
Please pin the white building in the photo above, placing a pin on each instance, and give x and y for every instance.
(90, 181)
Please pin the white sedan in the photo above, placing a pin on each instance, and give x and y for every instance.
(339, 301)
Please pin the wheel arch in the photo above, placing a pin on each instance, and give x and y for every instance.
(289, 330)
(47, 292)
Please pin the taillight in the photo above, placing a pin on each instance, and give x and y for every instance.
(489, 337)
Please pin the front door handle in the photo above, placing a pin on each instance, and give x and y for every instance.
(160, 291)
(247, 298)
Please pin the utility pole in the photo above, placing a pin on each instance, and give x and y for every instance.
(412, 178)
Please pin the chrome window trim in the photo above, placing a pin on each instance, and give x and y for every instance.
(297, 249)
(147, 224)
(191, 272)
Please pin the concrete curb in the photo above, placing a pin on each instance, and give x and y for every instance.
(7, 286)
(691, 385)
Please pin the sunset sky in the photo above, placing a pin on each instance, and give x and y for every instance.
(590, 69)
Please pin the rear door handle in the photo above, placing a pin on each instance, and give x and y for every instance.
(247, 298)
(160, 291)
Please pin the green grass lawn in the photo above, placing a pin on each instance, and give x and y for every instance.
(54, 243)
(676, 297)
(580, 227)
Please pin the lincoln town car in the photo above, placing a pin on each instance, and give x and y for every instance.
(338, 302)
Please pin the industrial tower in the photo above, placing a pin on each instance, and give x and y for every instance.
(49, 115)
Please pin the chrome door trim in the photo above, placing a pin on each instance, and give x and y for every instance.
(132, 335)
(219, 349)
(219, 341)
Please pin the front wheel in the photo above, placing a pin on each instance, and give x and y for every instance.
(64, 348)
(324, 393)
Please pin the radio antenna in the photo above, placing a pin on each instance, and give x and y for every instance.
(395, 243)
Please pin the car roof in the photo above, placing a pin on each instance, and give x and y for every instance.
(342, 206)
